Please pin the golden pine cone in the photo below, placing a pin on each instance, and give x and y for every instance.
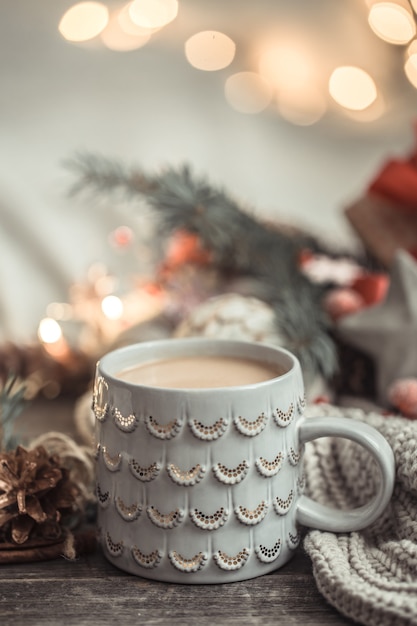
(36, 493)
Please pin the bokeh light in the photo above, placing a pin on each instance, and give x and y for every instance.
(410, 66)
(115, 37)
(112, 307)
(392, 22)
(210, 50)
(247, 92)
(83, 21)
(49, 331)
(352, 88)
(153, 13)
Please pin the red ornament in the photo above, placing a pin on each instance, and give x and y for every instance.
(402, 394)
(342, 301)
(121, 237)
(372, 287)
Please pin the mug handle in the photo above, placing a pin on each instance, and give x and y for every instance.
(315, 515)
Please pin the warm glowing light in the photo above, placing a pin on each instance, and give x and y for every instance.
(83, 21)
(115, 37)
(286, 64)
(49, 330)
(410, 66)
(302, 105)
(210, 50)
(112, 307)
(392, 22)
(59, 310)
(247, 92)
(352, 88)
(153, 13)
(127, 25)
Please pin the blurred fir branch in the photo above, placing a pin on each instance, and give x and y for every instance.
(239, 244)
(12, 401)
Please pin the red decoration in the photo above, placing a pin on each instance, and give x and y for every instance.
(402, 394)
(397, 181)
(371, 286)
(185, 247)
(342, 301)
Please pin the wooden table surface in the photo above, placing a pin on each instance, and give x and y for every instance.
(90, 590)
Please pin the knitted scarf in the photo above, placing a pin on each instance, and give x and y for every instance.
(371, 575)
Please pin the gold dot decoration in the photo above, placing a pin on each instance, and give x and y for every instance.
(126, 423)
(269, 468)
(112, 462)
(252, 517)
(144, 474)
(209, 522)
(248, 428)
(114, 548)
(294, 456)
(301, 404)
(293, 540)
(282, 506)
(268, 555)
(128, 513)
(231, 476)
(194, 564)
(163, 431)
(284, 418)
(231, 563)
(186, 478)
(103, 497)
(208, 432)
(100, 403)
(148, 561)
(165, 520)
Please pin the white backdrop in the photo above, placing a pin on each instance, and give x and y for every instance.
(151, 108)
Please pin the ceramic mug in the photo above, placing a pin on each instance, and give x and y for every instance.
(205, 485)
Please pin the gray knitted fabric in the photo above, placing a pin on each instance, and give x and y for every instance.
(371, 575)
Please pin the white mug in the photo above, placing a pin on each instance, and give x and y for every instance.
(205, 485)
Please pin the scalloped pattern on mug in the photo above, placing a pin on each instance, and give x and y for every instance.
(294, 456)
(248, 428)
(284, 418)
(162, 431)
(148, 561)
(293, 540)
(209, 522)
(208, 433)
(114, 547)
(186, 478)
(231, 563)
(301, 404)
(165, 520)
(251, 517)
(231, 476)
(269, 468)
(112, 462)
(126, 423)
(100, 403)
(144, 474)
(194, 564)
(282, 506)
(103, 497)
(128, 513)
(268, 555)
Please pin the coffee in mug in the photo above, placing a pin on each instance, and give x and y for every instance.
(200, 447)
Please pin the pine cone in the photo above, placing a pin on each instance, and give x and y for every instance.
(36, 494)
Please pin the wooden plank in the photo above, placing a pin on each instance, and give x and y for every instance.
(92, 591)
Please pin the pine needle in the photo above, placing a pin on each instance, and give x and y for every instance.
(238, 242)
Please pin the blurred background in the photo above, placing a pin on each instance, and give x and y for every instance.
(291, 106)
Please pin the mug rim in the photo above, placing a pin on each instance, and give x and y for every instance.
(177, 347)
